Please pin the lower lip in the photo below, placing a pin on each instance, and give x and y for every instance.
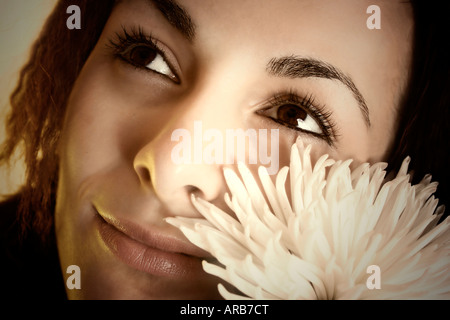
(148, 259)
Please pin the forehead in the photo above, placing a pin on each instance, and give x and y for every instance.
(334, 31)
(329, 29)
(289, 23)
(273, 15)
(297, 16)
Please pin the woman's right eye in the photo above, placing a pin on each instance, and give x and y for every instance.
(141, 50)
(143, 56)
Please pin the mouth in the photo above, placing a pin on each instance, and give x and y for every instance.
(151, 252)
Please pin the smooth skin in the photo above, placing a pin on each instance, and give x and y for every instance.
(115, 150)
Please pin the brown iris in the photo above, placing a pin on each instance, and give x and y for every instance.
(290, 113)
(142, 55)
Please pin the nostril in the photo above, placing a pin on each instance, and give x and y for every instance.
(194, 190)
(144, 174)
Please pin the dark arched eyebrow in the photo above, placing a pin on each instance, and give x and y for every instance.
(177, 16)
(302, 67)
(290, 66)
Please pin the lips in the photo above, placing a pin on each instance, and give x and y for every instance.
(149, 250)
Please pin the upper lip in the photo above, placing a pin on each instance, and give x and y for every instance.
(154, 238)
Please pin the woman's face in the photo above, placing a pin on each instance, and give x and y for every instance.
(164, 71)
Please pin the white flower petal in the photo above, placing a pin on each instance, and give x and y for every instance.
(317, 242)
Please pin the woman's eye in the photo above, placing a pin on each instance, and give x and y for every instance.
(295, 117)
(147, 57)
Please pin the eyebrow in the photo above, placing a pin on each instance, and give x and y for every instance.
(302, 67)
(290, 66)
(176, 16)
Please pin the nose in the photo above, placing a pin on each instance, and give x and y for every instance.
(168, 164)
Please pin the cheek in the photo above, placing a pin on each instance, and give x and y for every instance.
(104, 121)
(90, 136)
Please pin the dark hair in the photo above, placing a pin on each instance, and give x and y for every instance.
(39, 101)
(423, 130)
(38, 104)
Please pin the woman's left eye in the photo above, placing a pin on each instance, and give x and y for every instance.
(147, 57)
(293, 116)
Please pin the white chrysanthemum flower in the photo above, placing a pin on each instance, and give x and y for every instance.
(323, 242)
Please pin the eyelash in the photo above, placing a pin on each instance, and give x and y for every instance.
(132, 38)
(323, 117)
(135, 36)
